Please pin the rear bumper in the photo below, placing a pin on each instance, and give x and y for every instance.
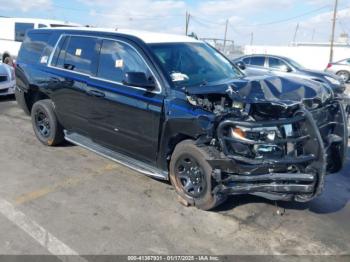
(296, 176)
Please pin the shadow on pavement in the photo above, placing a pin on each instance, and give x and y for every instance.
(7, 98)
(335, 196)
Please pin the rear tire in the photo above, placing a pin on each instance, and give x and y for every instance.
(45, 124)
(345, 75)
(191, 175)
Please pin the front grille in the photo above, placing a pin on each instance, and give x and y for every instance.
(285, 148)
(3, 79)
(3, 91)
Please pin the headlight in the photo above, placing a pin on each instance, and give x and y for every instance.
(333, 80)
(267, 134)
(256, 142)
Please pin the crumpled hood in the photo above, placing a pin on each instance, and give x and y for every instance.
(277, 90)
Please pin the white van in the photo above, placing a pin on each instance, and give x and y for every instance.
(13, 30)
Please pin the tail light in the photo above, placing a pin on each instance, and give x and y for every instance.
(329, 65)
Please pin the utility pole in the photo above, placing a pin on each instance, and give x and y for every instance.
(295, 33)
(226, 26)
(333, 31)
(251, 38)
(188, 17)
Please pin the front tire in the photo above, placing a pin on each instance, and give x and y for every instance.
(345, 75)
(45, 124)
(191, 175)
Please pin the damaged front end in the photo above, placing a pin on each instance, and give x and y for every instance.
(274, 137)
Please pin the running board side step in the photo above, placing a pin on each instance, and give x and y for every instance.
(129, 162)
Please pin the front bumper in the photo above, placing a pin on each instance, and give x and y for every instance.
(299, 173)
(7, 88)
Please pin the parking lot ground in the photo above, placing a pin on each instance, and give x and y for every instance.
(67, 200)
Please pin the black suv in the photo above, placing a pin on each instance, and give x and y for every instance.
(173, 107)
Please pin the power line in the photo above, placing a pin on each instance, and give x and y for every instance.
(290, 18)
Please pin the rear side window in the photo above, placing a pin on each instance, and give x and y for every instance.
(21, 30)
(79, 54)
(257, 61)
(117, 58)
(33, 47)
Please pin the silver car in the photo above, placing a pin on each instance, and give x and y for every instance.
(341, 68)
(7, 80)
(283, 66)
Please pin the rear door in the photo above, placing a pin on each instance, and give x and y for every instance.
(74, 61)
(122, 117)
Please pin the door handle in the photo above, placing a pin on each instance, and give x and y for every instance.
(96, 93)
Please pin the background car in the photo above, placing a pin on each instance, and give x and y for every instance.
(7, 80)
(282, 66)
(341, 69)
(13, 31)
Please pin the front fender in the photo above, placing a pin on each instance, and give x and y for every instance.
(182, 121)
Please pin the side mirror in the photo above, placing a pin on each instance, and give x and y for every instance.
(286, 69)
(138, 79)
(241, 65)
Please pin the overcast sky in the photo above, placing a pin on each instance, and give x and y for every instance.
(271, 21)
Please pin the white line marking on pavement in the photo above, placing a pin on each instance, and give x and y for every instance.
(40, 234)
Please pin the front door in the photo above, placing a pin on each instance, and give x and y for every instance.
(121, 117)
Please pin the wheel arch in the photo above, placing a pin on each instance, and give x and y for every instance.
(33, 96)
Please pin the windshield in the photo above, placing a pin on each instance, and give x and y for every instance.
(295, 64)
(193, 64)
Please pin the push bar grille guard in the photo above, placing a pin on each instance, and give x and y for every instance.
(318, 136)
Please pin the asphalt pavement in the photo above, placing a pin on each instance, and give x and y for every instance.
(67, 200)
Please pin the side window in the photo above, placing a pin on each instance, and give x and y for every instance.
(276, 63)
(257, 61)
(79, 54)
(33, 47)
(116, 59)
(246, 60)
(21, 30)
(42, 26)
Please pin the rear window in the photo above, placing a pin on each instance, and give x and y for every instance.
(21, 30)
(79, 54)
(33, 47)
